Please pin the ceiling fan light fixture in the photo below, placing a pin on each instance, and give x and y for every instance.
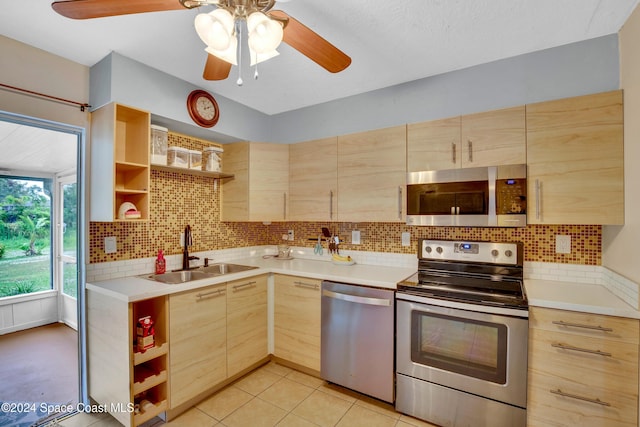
(265, 34)
(215, 28)
(229, 54)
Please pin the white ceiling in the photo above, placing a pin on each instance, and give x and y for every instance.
(37, 150)
(390, 42)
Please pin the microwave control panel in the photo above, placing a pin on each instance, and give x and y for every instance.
(511, 196)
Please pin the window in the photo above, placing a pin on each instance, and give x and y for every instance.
(25, 235)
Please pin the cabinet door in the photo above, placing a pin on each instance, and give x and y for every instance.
(313, 180)
(246, 323)
(372, 175)
(235, 191)
(433, 145)
(575, 160)
(198, 337)
(297, 320)
(268, 181)
(494, 138)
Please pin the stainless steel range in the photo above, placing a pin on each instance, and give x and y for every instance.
(462, 329)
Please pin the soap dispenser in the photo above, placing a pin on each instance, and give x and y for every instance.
(161, 265)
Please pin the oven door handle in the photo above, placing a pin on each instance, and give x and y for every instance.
(356, 299)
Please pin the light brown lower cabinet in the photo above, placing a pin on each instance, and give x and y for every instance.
(297, 320)
(583, 369)
(246, 323)
(198, 351)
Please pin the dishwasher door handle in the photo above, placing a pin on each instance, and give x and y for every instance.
(357, 299)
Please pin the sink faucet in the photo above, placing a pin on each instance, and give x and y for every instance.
(188, 241)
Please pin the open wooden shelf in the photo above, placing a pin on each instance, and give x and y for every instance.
(187, 171)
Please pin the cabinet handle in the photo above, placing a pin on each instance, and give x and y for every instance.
(583, 350)
(578, 325)
(244, 286)
(400, 202)
(537, 199)
(575, 396)
(331, 204)
(453, 152)
(313, 286)
(470, 143)
(211, 294)
(284, 206)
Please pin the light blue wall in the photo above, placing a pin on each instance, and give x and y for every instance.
(580, 68)
(576, 69)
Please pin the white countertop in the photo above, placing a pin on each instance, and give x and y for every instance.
(136, 288)
(588, 298)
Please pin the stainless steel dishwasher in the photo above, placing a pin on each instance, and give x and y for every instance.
(357, 338)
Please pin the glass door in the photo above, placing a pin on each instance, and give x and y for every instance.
(67, 248)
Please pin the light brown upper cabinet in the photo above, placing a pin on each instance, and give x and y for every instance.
(313, 180)
(489, 138)
(575, 160)
(119, 161)
(372, 175)
(259, 189)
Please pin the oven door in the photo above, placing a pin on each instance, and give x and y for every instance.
(447, 343)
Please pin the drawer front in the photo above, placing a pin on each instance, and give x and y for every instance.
(552, 401)
(585, 324)
(611, 367)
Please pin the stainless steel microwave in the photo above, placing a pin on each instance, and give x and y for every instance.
(494, 196)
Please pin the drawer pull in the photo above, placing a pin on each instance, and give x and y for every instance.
(583, 350)
(578, 325)
(575, 396)
(243, 286)
(306, 285)
(211, 294)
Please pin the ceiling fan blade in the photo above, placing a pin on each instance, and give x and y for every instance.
(86, 9)
(310, 44)
(216, 68)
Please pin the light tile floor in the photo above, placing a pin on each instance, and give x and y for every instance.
(274, 395)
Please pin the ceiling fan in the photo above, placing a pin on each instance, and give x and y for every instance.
(292, 31)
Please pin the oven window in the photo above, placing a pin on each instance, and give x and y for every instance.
(465, 346)
(466, 198)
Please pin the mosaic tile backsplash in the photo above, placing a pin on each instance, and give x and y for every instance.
(179, 199)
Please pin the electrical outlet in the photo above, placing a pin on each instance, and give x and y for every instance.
(355, 237)
(290, 235)
(110, 245)
(406, 238)
(563, 244)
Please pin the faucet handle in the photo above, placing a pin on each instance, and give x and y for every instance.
(206, 262)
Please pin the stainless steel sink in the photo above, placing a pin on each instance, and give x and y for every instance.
(224, 268)
(183, 276)
(176, 277)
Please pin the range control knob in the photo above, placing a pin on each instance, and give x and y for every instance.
(508, 253)
(439, 249)
(495, 253)
(428, 249)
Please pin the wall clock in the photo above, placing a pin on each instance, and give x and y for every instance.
(203, 108)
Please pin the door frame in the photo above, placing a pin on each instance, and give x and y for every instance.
(81, 150)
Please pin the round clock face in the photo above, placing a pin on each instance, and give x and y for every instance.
(203, 108)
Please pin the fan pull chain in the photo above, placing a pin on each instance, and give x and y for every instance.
(239, 31)
(255, 73)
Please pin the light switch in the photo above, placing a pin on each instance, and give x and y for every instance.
(110, 245)
(355, 237)
(406, 238)
(563, 244)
